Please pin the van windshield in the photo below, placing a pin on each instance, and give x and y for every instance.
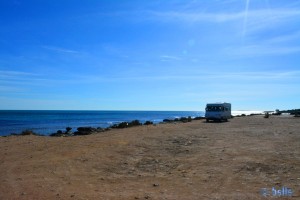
(214, 108)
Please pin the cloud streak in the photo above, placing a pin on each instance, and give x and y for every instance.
(60, 50)
(202, 77)
(169, 58)
(260, 50)
(251, 15)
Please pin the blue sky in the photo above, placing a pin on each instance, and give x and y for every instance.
(149, 55)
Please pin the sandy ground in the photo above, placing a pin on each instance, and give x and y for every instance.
(195, 160)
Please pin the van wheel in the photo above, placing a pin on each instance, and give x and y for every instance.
(207, 120)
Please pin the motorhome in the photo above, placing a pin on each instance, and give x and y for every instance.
(218, 111)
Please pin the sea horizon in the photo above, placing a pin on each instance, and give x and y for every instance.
(46, 122)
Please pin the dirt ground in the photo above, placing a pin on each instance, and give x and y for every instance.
(196, 160)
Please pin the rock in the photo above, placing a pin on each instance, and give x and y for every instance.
(28, 132)
(168, 120)
(155, 184)
(122, 125)
(127, 124)
(134, 123)
(59, 133)
(68, 130)
(85, 131)
(183, 119)
(266, 115)
(199, 118)
(148, 123)
(99, 129)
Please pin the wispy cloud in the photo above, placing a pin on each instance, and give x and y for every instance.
(7, 74)
(169, 58)
(21, 79)
(59, 49)
(265, 19)
(197, 76)
(8, 89)
(260, 50)
(15, 81)
(193, 17)
(263, 75)
(284, 38)
(253, 20)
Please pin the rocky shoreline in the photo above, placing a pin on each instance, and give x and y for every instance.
(92, 130)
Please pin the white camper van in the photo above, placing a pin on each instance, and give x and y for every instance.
(218, 111)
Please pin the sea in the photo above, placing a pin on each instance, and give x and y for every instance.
(45, 122)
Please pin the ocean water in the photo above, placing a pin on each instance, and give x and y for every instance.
(47, 122)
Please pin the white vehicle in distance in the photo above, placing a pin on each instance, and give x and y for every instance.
(218, 111)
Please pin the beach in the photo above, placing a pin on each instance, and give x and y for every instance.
(246, 158)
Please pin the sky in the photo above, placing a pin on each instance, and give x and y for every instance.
(149, 55)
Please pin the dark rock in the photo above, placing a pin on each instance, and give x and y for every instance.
(148, 123)
(68, 130)
(99, 129)
(59, 133)
(168, 120)
(127, 124)
(134, 123)
(297, 115)
(82, 133)
(28, 132)
(266, 115)
(183, 119)
(199, 118)
(122, 125)
(85, 131)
